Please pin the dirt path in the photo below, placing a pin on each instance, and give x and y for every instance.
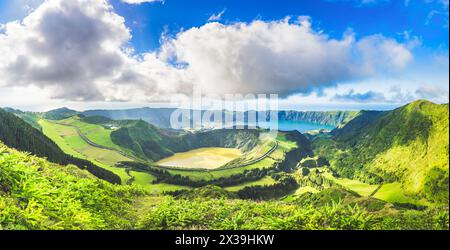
(376, 190)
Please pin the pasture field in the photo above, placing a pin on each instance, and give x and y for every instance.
(95, 133)
(204, 158)
(394, 193)
(145, 180)
(209, 159)
(71, 143)
(68, 140)
(284, 146)
(299, 192)
(267, 180)
(356, 186)
(390, 192)
(217, 173)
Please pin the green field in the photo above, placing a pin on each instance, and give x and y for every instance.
(95, 133)
(71, 143)
(300, 191)
(68, 140)
(356, 186)
(394, 193)
(205, 158)
(267, 180)
(268, 162)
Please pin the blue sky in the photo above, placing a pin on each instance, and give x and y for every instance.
(393, 52)
(390, 18)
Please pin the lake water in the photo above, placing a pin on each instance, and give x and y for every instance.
(300, 126)
(284, 125)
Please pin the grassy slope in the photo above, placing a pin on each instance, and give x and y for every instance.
(264, 181)
(406, 145)
(412, 162)
(69, 141)
(359, 187)
(35, 194)
(96, 133)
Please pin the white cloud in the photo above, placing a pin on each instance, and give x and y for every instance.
(280, 56)
(78, 50)
(218, 16)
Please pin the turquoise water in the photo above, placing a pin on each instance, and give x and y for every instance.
(297, 125)
(300, 126)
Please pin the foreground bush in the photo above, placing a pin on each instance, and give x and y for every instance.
(238, 214)
(35, 194)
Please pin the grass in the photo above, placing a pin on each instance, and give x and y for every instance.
(359, 187)
(96, 133)
(205, 158)
(218, 173)
(394, 193)
(284, 146)
(299, 192)
(69, 141)
(267, 180)
(304, 190)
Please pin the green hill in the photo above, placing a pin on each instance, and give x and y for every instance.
(408, 145)
(59, 114)
(153, 143)
(29, 117)
(333, 118)
(161, 116)
(38, 195)
(16, 133)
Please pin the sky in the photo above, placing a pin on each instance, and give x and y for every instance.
(316, 55)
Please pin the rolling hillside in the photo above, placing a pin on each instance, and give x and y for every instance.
(16, 133)
(161, 116)
(153, 143)
(38, 195)
(408, 145)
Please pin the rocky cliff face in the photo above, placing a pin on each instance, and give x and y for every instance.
(333, 118)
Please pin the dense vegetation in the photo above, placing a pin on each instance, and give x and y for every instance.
(36, 194)
(333, 118)
(16, 133)
(161, 116)
(28, 117)
(59, 114)
(407, 145)
(382, 170)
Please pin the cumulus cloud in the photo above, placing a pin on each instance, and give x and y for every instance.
(432, 92)
(352, 96)
(80, 51)
(394, 95)
(281, 57)
(68, 45)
